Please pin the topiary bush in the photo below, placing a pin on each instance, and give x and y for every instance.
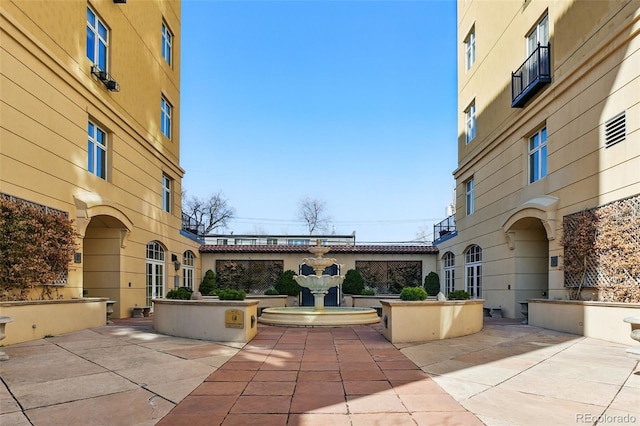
(179, 293)
(208, 284)
(287, 285)
(368, 292)
(458, 295)
(432, 284)
(231, 294)
(353, 282)
(271, 292)
(413, 293)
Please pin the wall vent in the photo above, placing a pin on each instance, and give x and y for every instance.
(615, 129)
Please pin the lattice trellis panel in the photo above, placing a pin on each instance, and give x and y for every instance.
(390, 276)
(41, 208)
(252, 276)
(602, 245)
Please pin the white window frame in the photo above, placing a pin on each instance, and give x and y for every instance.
(470, 196)
(166, 193)
(165, 117)
(470, 48)
(449, 272)
(188, 269)
(470, 122)
(167, 43)
(155, 274)
(96, 149)
(473, 271)
(94, 27)
(537, 156)
(539, 34)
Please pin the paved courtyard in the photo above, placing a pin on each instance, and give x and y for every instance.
(508, 374)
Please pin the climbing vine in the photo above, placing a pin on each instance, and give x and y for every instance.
(36, 246)
(602, 250)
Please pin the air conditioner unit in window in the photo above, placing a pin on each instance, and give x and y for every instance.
(105, 78)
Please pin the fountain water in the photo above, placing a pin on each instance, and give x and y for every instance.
(319, 285)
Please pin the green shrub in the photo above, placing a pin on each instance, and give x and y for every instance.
(432, 284)
(287, 285)
(368, 292)
(231, 294)
(208, 284)
(179, 293)
(458, 295)
(413, 293)
(353, 282)
(271, 292)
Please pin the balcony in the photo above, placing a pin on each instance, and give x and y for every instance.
(105, 78)
(444, 230)
(531, 77)
(191, 225)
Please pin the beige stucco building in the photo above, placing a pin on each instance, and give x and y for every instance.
(89, 124)
(549, 112)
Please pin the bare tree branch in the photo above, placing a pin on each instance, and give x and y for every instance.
(313, 213)
(212, 213)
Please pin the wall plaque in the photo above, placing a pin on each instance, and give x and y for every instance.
(234, 318)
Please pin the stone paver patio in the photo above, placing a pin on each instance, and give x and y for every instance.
(508, 374)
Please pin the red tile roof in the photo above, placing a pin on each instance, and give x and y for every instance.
(357, 249)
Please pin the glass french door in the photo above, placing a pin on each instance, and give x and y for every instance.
(155, 271)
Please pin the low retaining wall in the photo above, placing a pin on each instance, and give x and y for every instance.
(35, 319)
(211, 319)
(600, 320)
(372, 301)
(423, 321)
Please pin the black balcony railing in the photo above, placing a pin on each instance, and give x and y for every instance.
(189, 224)
(532, 75)
(444, 228)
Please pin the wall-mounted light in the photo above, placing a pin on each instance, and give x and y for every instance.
(176, 262)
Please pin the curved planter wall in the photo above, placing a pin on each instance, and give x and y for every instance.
(216, 320)
(423, 321)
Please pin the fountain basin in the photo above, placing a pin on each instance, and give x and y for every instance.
(310, 317)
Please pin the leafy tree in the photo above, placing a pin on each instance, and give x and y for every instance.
(208, 213)
(313, 213)
(35, 248)
(432, 284)
(353, 282)
(287, 285)
(208, 283)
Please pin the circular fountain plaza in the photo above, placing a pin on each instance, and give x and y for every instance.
(318, 315)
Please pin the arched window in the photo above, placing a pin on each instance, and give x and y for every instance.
(473, 271)
(188, 269)
(448, 271)
(155, 271)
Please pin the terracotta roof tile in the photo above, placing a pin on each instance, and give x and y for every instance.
(357, 249)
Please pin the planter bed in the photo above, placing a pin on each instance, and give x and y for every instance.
(35, 319)
(423, 321)
(207, 319)
(600, 320)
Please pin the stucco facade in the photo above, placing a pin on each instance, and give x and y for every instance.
(89, 124)
(512, 195)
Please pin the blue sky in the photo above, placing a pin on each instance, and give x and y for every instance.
(349, 102)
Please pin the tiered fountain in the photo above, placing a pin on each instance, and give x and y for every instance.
(319, 285)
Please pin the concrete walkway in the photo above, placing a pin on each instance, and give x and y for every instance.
(508, 374)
